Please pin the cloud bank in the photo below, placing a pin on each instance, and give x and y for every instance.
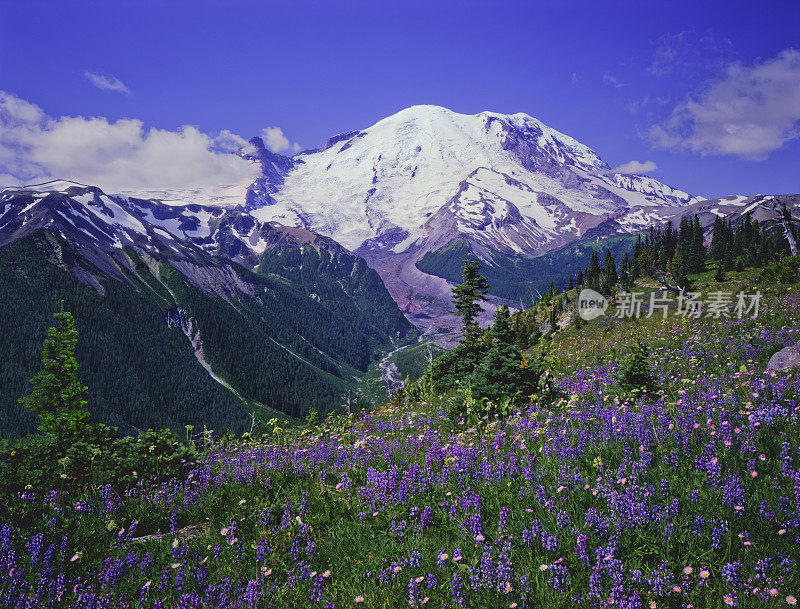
(118, 156)
(636, 167)
(749, 112)
(275, 140)
(106, 82)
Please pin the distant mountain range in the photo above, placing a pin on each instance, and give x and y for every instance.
(279, 299)
(187, 314)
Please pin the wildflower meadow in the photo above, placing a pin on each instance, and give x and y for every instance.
(689, 498)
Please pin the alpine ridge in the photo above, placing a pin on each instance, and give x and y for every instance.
(200, 312)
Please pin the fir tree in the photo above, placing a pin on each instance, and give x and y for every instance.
(467, 297)
(501, 329)
(610, 277)
(57, 394)
(593, 272)
(635, 374)
(698, 247)
(535, 334)
(624, 273)
(678, 267)
(523, 336)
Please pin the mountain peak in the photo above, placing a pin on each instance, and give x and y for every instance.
(396, 174)
(427, 176)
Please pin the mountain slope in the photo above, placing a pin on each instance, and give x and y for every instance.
(401, 194)
(420, 186)
(173, 302)
(140, 371)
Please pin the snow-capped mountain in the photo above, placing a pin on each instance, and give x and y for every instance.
(197, 239)
(426, 176)
(507, 182)
(410, 185)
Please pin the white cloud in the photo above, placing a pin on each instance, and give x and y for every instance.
(749, 112)
(276, 141)
(688, 52)
(612, 80)
(636, 167)
(574, 78)
(106, 82)
(230, 142)
(116, 156)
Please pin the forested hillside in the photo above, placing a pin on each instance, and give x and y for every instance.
(281, 343)
(141, 372)
(522, 279)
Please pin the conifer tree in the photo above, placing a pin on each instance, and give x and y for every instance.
(678, 267)
(593, 272)
(57, 394)
(636, 265)
(698, 247)
(534, 333)
(610, 277)
(624, 273)
(501, 329)
(467, 297)
(523, 336)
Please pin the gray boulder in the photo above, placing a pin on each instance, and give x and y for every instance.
(786, 358)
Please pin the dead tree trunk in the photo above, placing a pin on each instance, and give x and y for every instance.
(783, 214)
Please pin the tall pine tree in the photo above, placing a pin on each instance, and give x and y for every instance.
(593, 272)
(57, 394)
(609, 273)
(467, 297)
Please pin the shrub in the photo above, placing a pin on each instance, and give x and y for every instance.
(94, 455)
(635, 375)
(504, 372)
(452, 368)
(785, 271)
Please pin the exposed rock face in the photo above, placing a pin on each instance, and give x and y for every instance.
(785, 359)
(221, 280)
(274, 168)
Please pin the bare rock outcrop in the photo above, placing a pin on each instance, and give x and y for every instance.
(785, 359)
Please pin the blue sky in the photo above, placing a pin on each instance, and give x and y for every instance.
(705, 95)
